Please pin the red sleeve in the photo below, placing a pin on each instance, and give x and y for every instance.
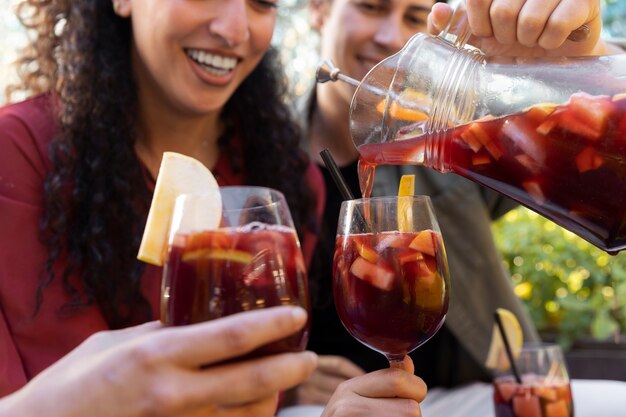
(12, 375)
(316, 183)
(21, 174)
(25, 131)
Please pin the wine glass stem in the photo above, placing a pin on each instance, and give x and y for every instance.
(396, 362)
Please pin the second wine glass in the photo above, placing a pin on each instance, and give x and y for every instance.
(251, 261)
(390, 273)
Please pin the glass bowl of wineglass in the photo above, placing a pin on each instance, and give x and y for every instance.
(251, 261)
(390, 273)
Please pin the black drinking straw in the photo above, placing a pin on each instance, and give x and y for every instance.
(507, 348)
(336, 174)
(331, 165)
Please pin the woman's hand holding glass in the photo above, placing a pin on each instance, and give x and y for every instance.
(175, 371)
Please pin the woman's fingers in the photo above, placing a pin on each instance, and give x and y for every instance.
(263, 408)
(373, 407)
(243, 382)
(387, 383)
(338, 365)
(228, 337)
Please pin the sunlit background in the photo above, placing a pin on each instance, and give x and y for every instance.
(570, 287)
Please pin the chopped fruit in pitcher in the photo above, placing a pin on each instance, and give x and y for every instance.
(524, 138)
(533, 188)
(539, 112)
(471, 140)
(404, 107)
(588, 159)
(551, 122)
(403, 286)
(549, 157)
(593, 112)
(480, 159)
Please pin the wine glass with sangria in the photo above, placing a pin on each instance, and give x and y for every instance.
(390, 273)
(251, 261)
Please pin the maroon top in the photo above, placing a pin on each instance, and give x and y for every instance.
(29, 344)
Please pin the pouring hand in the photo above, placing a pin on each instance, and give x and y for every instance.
(528, 27)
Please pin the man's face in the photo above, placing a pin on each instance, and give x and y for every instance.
(357, 34)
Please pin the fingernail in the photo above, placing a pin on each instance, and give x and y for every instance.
(311, 357)
(298, 314)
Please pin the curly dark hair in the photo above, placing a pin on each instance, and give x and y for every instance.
(95, 197)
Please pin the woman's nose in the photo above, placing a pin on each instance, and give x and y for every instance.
(231, 25)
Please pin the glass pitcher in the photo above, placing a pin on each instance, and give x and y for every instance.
(547, 132)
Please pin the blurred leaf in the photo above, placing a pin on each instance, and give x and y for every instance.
(603, 326)
(552, 267)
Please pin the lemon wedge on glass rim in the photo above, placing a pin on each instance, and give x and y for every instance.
(178, 174)
(497, 357)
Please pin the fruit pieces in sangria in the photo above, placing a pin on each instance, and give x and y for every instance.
(537, 396)
(220, 272)
(567, 162)
(391, 288)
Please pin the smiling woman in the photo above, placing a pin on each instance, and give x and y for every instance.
(109, 91)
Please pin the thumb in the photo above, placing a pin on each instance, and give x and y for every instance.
(408, 364)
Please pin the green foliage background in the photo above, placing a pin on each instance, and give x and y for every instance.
(570, 287)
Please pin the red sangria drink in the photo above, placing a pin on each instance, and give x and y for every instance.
(390, 274)
(536, 396)
(566, 162)
(251, 265)
(390, 288)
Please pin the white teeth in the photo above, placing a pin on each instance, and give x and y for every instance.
(214, 64)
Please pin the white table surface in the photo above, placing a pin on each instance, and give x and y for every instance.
(592, 398)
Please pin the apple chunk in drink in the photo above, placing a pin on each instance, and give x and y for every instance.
(391, 288)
